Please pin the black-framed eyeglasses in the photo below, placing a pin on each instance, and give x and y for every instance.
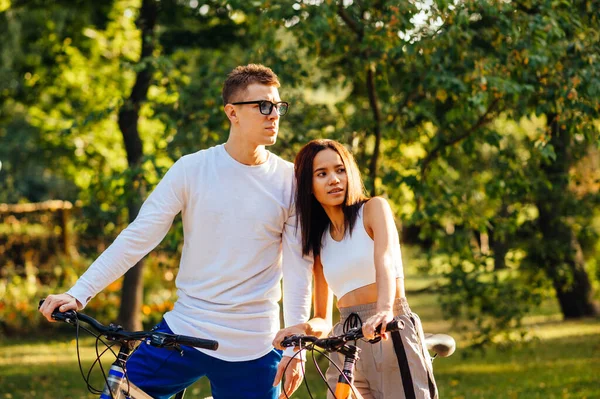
(266, 107)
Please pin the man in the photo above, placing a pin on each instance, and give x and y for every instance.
(236, 201)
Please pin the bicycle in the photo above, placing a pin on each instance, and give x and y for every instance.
(117, 385)
(442, 345)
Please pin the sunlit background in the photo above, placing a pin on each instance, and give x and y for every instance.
(478, 120)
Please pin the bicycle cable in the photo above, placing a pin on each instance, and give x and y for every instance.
(297, 354)
(352, 321)
(98, 360)
(312, 348)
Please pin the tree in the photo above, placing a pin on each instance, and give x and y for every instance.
(439, 89)
(570, 104)
(132, 295)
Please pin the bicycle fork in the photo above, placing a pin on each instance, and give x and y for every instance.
(346, 379)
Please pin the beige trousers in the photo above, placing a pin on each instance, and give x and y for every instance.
(399, 367)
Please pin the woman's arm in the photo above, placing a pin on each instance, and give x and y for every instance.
(379, 223)
(320, 324)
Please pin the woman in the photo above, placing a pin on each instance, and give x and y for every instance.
(356, 249)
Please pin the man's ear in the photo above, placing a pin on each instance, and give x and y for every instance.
(231, 113)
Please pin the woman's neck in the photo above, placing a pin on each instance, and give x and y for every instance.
(336, 218)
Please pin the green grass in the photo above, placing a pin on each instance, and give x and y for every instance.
(562, 362)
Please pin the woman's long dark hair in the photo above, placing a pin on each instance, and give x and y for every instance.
(310, 214)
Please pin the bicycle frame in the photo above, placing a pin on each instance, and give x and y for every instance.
(117, 386)
(441, 344)
(343, 388)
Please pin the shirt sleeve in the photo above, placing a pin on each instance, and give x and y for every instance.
(140, 237)
(297, 277)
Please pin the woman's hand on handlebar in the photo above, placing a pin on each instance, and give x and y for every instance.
(298, 329)
(60, 302)
(380, 318)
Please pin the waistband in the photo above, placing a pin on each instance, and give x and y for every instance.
(366, 310)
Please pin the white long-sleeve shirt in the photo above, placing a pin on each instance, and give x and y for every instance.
(238, 223)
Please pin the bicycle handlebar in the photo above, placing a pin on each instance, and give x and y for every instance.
(332, 344)
(117, 333)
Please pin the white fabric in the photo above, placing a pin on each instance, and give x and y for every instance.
(237, 222)
(350, 263)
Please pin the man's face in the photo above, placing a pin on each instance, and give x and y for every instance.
(256, 128)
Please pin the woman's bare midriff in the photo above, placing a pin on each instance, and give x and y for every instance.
(367, 294)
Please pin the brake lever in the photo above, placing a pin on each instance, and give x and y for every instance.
(290, 341)
(162, 341)
(70, 316)
(157, 340)
(112, 328)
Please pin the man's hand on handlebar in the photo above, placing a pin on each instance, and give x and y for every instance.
(60, 302)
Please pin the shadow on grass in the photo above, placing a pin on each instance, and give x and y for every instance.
(551, 368)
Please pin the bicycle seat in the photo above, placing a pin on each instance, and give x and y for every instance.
(442, 344)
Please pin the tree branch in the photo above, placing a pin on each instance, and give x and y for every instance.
(434, 153)
(352, 24)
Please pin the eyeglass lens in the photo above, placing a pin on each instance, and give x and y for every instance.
(266, 107)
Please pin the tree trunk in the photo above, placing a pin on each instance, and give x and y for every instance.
(374, 165)
(132, 291)
(499, 242)
(561, 255)
(499, 249)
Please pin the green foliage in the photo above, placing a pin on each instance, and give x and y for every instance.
(479, 295)
(22, 289)
(457, 102)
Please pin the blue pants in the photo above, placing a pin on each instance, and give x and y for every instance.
(162, 373)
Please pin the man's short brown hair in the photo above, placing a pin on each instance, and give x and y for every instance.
(243, 76)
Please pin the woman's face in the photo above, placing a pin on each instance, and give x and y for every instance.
(329, 179)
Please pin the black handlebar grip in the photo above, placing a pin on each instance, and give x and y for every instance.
(393, 325)
(58, 315)
(197, 342)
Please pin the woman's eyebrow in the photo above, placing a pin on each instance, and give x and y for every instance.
(324, 167)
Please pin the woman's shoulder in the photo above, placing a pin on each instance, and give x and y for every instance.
(376, 204)
(375, 209)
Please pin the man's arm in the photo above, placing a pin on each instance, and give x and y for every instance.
(321, 323)
(297, 276)
(140, 237)
(297, 279)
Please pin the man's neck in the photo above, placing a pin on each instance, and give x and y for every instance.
(246, 155)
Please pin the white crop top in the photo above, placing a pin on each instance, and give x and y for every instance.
(350, 263)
